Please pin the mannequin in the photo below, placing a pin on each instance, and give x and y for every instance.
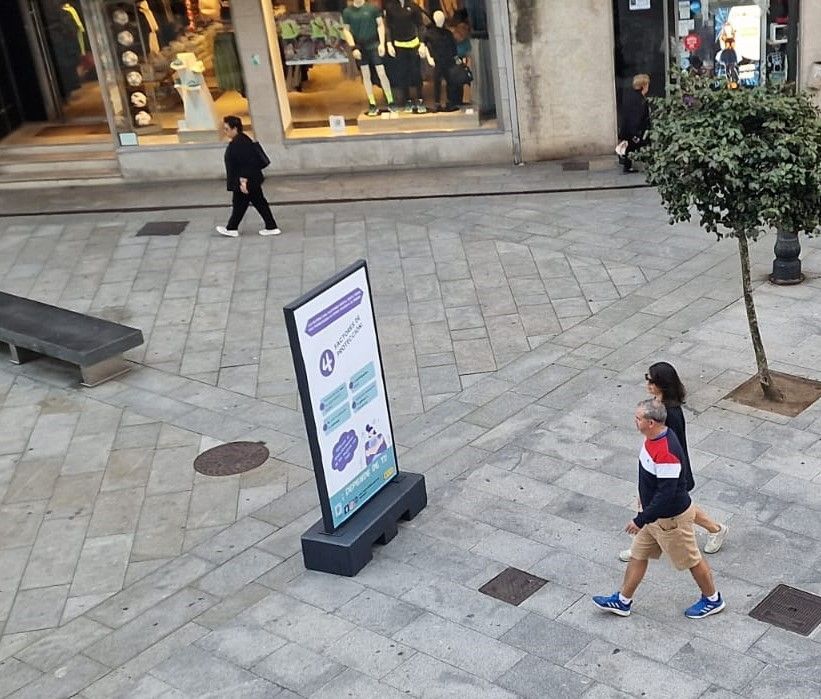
(441, 54)
(404, 20)
(364, 31)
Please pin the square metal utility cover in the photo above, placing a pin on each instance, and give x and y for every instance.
(576, 165)
(512, 585)
(791, 609)
(162, 228)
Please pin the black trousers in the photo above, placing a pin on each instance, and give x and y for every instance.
(240, 204)
(454, 92)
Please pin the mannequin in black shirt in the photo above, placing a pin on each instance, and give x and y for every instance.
(403, 20)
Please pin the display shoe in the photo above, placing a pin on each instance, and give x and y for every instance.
(270, 231)
(392, 107)
(451, 108)
(420, 107)
(373, 110)
(408, 107)
(222, 230)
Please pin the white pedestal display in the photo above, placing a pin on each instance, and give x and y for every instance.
(201, 121)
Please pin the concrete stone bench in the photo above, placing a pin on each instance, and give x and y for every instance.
(31, 328)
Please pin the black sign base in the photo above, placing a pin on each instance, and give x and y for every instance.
(348, 550)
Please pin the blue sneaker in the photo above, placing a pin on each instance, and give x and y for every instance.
(704, 607)
(613, 604)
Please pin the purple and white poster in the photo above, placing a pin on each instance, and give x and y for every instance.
(337, 343)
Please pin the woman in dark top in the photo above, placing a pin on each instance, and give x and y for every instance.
(664, 384)
(243, 177)
(635, 118)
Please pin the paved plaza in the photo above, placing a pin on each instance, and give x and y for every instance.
(516, 330)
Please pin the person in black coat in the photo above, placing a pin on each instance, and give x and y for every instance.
(635, 118)
(243, 174)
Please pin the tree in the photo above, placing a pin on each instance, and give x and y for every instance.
(746, 160)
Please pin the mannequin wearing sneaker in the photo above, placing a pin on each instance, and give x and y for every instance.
(244, 178)
(364, 30)
(441, 51)
(403, 19)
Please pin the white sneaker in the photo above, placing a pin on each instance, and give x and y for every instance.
(715, 541)
(624, 556)
(270, 231)
(222, 230)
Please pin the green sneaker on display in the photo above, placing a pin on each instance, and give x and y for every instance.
(408, 107)
(420, 107)
(373, 110)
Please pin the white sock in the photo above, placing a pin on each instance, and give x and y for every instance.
(714, 598)
(625, 600)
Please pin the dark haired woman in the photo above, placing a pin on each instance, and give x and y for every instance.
(664, 384)
(243, 175)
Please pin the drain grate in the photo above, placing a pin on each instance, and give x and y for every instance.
(512, 585)
(791, 609)
(162, 228)
(231, 458)
(576, 165)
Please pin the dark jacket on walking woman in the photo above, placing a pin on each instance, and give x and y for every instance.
(635, 116)
(241, 160)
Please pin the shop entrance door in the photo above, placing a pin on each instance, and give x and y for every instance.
(72, 91)
(641, 44)
(52, 73)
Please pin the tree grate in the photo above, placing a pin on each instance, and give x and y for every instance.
(512, 585)
(231, 458)
(162, 228)
(791, 609)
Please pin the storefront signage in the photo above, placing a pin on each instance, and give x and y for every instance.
(309, 39)
(332, 332)
(639, 4)
(692, 42)
(738, 38)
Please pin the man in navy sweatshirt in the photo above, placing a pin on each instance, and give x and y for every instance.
(665, 523)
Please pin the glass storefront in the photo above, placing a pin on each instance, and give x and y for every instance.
(369, 67)
(171, 69)
(746, 42)
(152, 71)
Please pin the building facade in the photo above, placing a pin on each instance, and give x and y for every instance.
(345, 85)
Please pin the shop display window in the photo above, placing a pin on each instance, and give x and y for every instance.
(172, 69)
(745, 42)
(369, 67)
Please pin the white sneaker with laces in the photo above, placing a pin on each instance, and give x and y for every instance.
(270, 231)
(222, 230)
(624, 556)
(715, 541)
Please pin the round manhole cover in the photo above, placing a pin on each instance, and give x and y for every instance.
(230, 459)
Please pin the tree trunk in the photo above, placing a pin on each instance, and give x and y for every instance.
(765, 379)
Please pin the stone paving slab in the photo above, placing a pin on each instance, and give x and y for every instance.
(519, 330)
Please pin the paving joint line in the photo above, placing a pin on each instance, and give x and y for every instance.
(335, 200)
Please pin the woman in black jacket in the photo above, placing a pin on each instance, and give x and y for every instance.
(243, 174)
(635, 118)
(664, 384)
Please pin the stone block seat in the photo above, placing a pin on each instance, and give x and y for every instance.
(31, 328)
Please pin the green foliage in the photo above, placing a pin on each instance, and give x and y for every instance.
(747, 159)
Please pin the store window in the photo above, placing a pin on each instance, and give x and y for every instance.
(746, 42)
(364, 67)
(172, 70)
